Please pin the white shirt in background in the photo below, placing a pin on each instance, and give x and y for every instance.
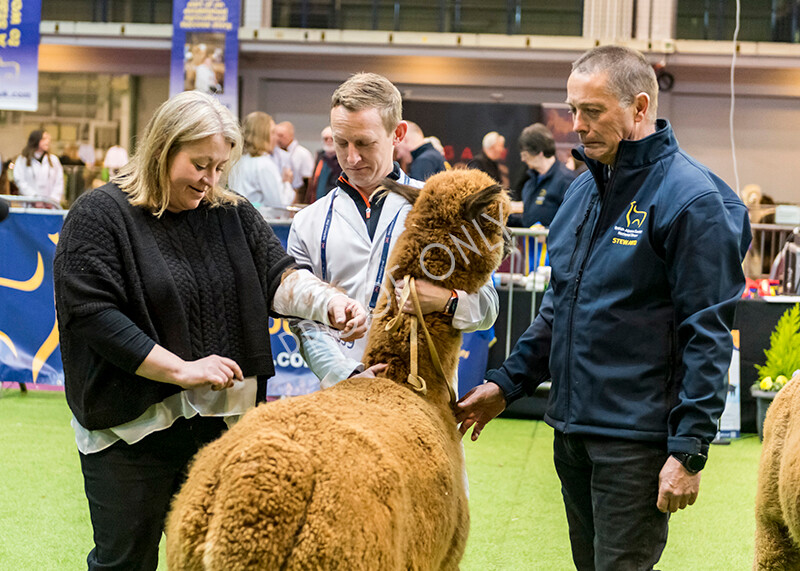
(259, 180)
(302, 163)
(40, 177)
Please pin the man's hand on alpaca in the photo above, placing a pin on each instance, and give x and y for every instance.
(432, 298)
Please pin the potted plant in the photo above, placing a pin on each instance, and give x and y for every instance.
(783, 361)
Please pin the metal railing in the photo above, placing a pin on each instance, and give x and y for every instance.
(768, 240)
(528, 244)
(18, 203)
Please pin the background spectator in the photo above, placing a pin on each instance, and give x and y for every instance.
(302, 160)
(37, 172)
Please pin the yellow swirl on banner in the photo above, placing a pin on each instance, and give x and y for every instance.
(7, 340)
(27, 285)
(53, 238)
(45, 351)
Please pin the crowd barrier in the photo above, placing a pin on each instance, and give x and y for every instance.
(28, 330)
(768, 241)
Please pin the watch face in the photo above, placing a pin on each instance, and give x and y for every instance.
(695, 462)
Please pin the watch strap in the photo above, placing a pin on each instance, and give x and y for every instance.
(452, 304)
(692, 462)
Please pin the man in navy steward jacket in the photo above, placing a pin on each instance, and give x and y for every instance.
(548, 177)
(426, 161)
(634, 331)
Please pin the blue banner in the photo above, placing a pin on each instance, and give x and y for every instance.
(19, 54)
(28, 330)
(205, 49)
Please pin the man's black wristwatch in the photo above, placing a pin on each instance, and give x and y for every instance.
(692, 462)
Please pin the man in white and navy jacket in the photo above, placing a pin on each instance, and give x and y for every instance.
(345, 238)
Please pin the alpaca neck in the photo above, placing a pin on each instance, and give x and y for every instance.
(395, 349)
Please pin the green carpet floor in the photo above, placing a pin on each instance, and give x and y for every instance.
(517, 515)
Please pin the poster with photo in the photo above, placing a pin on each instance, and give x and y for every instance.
(19, 54)
(205, 49)
(559, 120)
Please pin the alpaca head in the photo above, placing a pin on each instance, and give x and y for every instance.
(455, 235)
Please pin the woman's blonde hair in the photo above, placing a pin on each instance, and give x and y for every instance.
(258, 133)
(187, 117)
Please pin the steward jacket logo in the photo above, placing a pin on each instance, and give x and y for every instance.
(629, 235)
(635, 216)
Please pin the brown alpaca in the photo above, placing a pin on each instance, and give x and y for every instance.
(778, 496)
(368, 474)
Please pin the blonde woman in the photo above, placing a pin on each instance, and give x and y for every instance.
(164, 282)
(38, 172)
(256, 176)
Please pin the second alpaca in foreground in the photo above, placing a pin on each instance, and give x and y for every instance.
(369, 473)
(777, 545)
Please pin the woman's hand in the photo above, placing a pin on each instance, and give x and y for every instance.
(219, 372)
(166, 367)
(348, 316)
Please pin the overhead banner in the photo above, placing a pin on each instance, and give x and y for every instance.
(19, 54)
(205, 49)
(28, 330)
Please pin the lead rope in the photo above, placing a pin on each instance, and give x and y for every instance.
(416, 381)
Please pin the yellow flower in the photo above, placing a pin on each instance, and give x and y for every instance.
(766, 384)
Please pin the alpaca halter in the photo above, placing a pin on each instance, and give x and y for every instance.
(417, 382)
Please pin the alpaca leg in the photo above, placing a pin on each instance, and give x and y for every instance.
(187, 522)
(458, 542)
(774, 549)
(260, 505)
(786, 537)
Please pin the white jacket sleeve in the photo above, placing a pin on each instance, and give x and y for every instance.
(57, 192)
(297, 248)
(320, 350)
(477, 311)
(303, 295)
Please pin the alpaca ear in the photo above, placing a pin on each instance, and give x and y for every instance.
(478, 202)
(389, 185)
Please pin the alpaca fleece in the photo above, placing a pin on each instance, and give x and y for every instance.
(778, 497)
(368, 474)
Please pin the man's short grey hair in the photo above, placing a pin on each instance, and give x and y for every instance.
(629, 74)
(490, 139)
(371, 91)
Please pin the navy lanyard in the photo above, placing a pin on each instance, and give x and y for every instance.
(376, 289)
(324, 243)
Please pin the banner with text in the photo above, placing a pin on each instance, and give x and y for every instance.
(205, 49)
(19, 54)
